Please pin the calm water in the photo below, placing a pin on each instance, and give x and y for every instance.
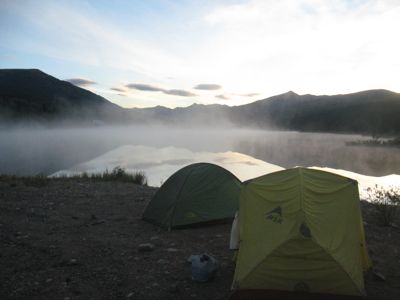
(27, 152)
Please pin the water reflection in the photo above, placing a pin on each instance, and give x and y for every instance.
(33, 151)
(160, 163)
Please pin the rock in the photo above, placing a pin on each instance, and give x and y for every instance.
(147, 247)
(156, 240)
(379, 276)
(174, 288)
(172, 250)
(72, 262)
(49, 280)
(162, 261)
(130, 295)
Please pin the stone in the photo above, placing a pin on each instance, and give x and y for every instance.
(162, 261)
(174, 288)
(147, 247)
(379, 276)
(172, 250)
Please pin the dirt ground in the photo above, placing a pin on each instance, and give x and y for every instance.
(76, 239)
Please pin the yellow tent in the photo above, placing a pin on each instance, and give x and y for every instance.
(301, 230)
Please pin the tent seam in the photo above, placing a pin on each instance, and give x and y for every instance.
(341, 266)
(179, 199)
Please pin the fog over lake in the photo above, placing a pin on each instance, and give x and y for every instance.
(46, 151)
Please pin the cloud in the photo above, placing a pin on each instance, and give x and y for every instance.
(291, 45)
(227, 96)
(144, 87)
(207, 86)
(116, 89)
(80, 33)
(152, 88)
(250, 94)
(301, 44)
(182, 93)
(81, 81)
(223, 97)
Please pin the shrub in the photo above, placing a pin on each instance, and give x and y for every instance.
(117, 174)
(386, 202)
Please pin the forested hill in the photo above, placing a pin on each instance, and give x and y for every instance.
(30, 94)
(372, 112)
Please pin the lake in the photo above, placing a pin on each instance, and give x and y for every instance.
(160, 151)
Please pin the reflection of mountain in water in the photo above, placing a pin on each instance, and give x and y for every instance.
(160, 163)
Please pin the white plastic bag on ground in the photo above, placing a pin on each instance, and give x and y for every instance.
(204, 267)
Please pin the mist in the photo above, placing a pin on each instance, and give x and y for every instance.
(31, 151)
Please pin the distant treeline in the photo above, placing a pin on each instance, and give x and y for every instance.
(376, 142)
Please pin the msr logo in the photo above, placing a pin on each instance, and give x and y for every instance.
(275, 215)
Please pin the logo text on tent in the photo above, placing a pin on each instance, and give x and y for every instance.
(275, 215)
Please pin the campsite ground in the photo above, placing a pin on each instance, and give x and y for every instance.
(77, 239)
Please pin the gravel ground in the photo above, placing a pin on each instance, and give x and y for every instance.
(77, 239)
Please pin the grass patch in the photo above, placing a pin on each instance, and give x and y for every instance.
(116, 174)
(386, 203)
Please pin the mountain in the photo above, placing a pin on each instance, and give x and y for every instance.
(30, 94)
(34, 95)
(193, 116)
(367, 112)
(374, 112)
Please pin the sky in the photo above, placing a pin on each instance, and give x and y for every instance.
(176, 53)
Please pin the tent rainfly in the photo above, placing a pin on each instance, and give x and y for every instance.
(195, 194)
(301, 230)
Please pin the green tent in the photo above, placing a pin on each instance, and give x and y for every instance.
(197, 193)
(301, 230)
